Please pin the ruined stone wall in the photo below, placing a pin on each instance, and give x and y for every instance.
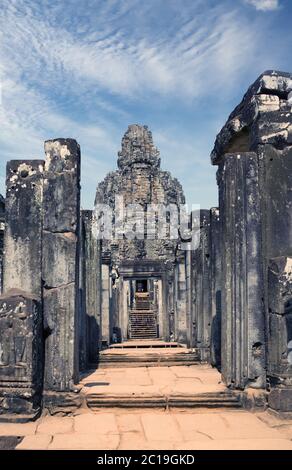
(39, 309)
(2, 229)
(253, 152)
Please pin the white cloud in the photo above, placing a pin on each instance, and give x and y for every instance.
(264, 5)
(126, 62)
(79, 69)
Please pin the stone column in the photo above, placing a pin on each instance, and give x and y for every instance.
(21, 356)
(92, 287)
(160, 307)
(21, 336)
(181, 301)
(105, 306)
(280, 333)
(60, 262)
(23, 233)
(243, 322)
(124, 314)
(2, 230)
(188, 263)
(215, 287)
(201, 290)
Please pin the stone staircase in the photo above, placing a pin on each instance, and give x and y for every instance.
(226, 399)
(142, 324)
(154, 374)
(145, 353)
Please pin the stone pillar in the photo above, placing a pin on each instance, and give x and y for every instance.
(188, 263)
(2, 230)
(243, 321)
(124, 307)
(202, 290)
(215, 287)
(23, 233)
(21, 337)
(60, 262)
(181, 300)
(92, 287)
(105, 305)
(21, 356)
(160, 307)
(280, 333)
(82, 317)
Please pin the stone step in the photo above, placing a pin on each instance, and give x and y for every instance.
(140, 344)
(109, 360)
(142, 325)
(203, 400)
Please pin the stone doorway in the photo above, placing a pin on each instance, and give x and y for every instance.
(143, 309)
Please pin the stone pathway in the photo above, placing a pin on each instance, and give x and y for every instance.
(150, 428)
(126, 430)
(187, 380)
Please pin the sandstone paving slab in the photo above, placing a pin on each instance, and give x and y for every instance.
(55, 425)
(205, 424)
(129, 423)
(227, 425)
(89, 441)
(284, 426)
(241, 424)
(15, 429)
(139, 443)
(35, 442)
(188, 381)
(99, 423)
(186, 388)
(132, 377)
(135, 371)
(236, 444)
(161, 427)
(95, 376)
(124, 380)
(194, 371)
(161, 375)
(124, 390)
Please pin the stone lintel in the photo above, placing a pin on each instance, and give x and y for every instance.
(263, 116)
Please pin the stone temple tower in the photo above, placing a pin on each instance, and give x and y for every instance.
(143, 263)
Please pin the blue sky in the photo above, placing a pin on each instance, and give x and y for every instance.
(87, 69)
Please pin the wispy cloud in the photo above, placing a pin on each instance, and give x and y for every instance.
(88, 69)
(125, 62)
(264, 5)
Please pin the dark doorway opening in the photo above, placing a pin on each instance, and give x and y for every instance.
(141, 285)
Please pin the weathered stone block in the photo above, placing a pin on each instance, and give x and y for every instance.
(59, 321)
(61, 185)
(21, 353)
(61, 206)
(276, 183)
(243, 320)
(59, 255)
(280, 399)
(280, 320)
(215, 286)
(22, 263)
(202, 311)
(90, 291)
